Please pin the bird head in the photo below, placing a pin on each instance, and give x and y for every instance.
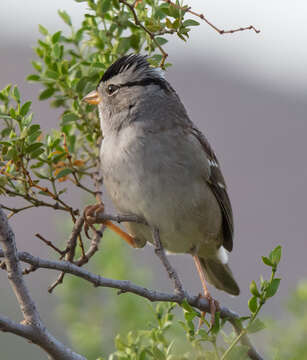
(128, 86)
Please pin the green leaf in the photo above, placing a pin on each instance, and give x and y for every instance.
(46, 94)
(69, 117)
(105, 5)
(4, 116)
(3, 97)
(255, 326)
(42, 30)
(253, 304)
(57, 51)
(56, 37)
(123, 45)
(253, 289)
(52, 74)
(35, 154)
(186, 306)
(65, 17)
(267, 261)
(275, 255)
(16, 94)
(190, 22)
(33, 128)
(25, 108)
(272, 288)
(33, 77)
(33, 147)
(63, 173)
(161, 40)
(37, 66)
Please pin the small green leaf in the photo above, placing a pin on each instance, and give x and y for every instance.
(190, 22)
(4, 116)
(63, 173)
(35, 154)
(33, 147)
(65, 17)
(267, 261)
(253, 304)
(25, 108)
(161, 40)
(16, 94)
(275, 255)
(69, 117)
(255, 326)
(52, 74)
(33, 77)
(186, 306)
(57, 51)
(56, 37)
(46, 94)
(33, 128)
(272, 288)
(37, 66)
(253, 289)
(42, 30)
(105, 5)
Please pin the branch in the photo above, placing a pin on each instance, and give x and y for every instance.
(170, 270)
(126, 286)
(32, 327)
(150, 34)
(70, 249)
(202, 16)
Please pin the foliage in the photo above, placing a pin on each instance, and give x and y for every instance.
(288, 335)
(175, 333)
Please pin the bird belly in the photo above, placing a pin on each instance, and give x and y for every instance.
(167, 188)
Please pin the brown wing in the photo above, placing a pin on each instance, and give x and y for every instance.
(218, 186)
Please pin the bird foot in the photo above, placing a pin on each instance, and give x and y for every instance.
(90, 213)
(90, 218)
(214, 306)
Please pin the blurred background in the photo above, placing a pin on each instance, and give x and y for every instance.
(247, 93)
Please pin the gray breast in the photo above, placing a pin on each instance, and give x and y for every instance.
(161, 176)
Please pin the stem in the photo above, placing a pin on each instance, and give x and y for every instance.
(234, 343)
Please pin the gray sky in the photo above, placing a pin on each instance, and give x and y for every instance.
(276, 57)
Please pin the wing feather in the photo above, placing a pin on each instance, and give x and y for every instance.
(218, 186)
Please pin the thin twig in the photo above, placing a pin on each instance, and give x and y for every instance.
(93, 247)
(150, 34)
(49, 243)
(202, 16)
(70, 250)
(167, 265)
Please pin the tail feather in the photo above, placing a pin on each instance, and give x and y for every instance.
(220, 275)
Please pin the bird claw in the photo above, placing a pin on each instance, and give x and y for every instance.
(214, 306)
(90, 213)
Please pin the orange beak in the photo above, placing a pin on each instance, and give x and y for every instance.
(92, 98)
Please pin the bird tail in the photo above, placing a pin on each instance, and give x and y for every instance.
(220, 275)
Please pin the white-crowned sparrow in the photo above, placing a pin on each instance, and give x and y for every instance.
(157, 165)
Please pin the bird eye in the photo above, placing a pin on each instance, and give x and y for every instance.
(112, 88)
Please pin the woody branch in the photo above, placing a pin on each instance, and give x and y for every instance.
(33, 328)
